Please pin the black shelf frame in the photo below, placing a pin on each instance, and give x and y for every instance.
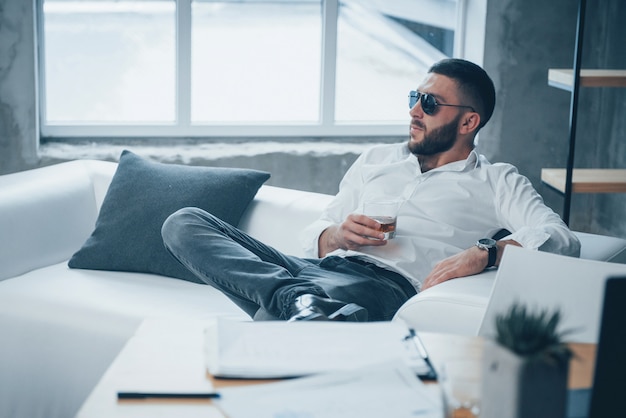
(573, 111)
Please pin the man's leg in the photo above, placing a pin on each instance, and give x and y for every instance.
(249, 272)
(378, 290)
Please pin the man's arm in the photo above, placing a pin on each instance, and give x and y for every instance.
(466, 263)
(355, 232)
(339, 227)
(521, 210)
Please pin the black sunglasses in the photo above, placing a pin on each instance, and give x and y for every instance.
(428, 102)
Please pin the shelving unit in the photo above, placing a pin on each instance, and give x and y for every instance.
(570, 180)
(587, 180)
(564, 78)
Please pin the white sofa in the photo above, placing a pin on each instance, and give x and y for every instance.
(60, 328)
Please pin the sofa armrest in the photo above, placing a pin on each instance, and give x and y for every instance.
(458, 306)
(45, 216)
(455, 307)
(101, 173)
(602, 247)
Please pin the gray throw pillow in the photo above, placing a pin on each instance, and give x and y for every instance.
(142, 194)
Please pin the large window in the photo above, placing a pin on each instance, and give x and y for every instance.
(238, 67)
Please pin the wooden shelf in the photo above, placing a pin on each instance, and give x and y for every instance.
(564, 78)
(587, 180)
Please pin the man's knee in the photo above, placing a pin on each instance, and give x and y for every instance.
(177, 224)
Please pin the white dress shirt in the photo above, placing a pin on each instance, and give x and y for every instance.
(443, 211)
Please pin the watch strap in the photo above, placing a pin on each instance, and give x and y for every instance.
(489, 245)
(493, 253)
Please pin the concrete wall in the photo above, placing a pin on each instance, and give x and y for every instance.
(314, 165)
(601, 139)
(19, 131)
(529, 129)
(531, 125)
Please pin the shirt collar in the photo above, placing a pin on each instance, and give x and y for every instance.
(472, 161)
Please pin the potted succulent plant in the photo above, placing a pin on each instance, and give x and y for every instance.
(525, 369)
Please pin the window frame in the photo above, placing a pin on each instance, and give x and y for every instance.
(467, 11)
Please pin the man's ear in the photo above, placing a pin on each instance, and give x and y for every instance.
(469, 123)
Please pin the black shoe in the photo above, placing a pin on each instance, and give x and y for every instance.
(316, 308)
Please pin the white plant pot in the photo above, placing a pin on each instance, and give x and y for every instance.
(520, 387)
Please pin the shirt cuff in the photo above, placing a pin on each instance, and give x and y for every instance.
(529, 238)
(309, 237)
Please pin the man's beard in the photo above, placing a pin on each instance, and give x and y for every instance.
(438, 141)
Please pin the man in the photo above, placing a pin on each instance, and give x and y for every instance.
(452, 202)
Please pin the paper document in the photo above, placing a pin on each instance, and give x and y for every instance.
(386, 390)
(277, 349)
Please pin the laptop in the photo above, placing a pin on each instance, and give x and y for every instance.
(547, 280)
(542, 280)
(592, 299)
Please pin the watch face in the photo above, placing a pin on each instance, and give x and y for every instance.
(487, 242)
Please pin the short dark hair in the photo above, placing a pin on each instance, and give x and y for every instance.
(474, 82)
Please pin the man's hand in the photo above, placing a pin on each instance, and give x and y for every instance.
(355, 232)
(469, 262)
(466, 263)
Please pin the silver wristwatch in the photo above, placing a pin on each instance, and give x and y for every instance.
(489, 244)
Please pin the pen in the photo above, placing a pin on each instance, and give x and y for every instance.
(162, 395)
(423, 353)
(418, 344)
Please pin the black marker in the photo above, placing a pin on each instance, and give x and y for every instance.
(160, 395)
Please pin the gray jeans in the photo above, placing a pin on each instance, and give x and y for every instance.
(264, 282)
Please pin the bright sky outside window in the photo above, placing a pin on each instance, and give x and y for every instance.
(110, 62)
(377, 58)
(249, 62)
(256, 61)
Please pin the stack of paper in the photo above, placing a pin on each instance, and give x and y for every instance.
(386, 390)
(277, 349)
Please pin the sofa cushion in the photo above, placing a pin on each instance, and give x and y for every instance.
(142, 194)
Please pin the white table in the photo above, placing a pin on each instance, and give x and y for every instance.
(160, 353)
(171, 352)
